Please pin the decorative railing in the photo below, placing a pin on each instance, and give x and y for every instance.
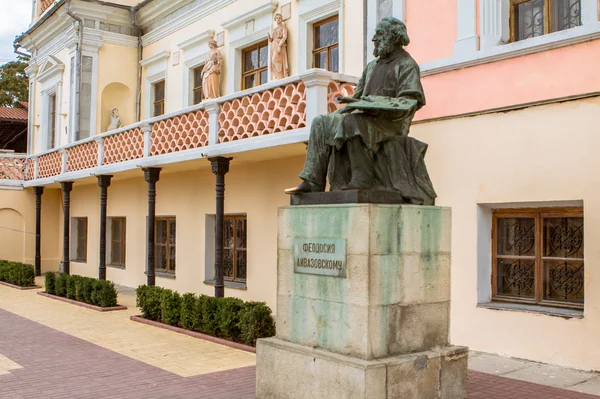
(46, 4)
(13, 167)
(274, 108)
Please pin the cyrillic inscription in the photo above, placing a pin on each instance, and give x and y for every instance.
(320, 256)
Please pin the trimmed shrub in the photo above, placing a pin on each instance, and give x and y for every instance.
(149, 302)
(190, 311)
(83, 289)
(256, 321)
(50, 279)
(70, 286)
(228, 316)
(209, 307)
(60, 286)
(17, 273)
(170, 307)
(104, 294)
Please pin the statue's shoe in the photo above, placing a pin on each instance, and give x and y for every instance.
(304, 187)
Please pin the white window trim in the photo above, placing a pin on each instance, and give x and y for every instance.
(109, 241)
(239, 40)
(398, 11)
(156, 70)
(73, 239)
(94, 106)
(311, 12)
(195, 51)
(495, 33)
(47, 94)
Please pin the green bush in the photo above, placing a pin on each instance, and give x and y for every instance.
(50, 278)
(104, 294)
(170, 307)
(209, 306)
(17, 273)
(256, 321)
(190, 311)
(70, 286)
(228, 317)
(60, 286)
(149, 302)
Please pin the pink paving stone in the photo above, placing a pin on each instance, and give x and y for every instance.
(57, 365)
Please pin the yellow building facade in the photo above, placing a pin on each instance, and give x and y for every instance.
(509, 120)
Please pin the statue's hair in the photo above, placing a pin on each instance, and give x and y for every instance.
(213, 41)
(396, 28)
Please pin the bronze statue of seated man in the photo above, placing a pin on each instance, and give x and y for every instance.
(365, 144)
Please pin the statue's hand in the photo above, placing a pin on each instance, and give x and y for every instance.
(345, 100)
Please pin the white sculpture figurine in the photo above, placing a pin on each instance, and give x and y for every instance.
(115, 121)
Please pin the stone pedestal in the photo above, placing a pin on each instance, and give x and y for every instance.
(363, 305)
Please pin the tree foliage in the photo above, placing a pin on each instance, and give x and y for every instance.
(14, 83)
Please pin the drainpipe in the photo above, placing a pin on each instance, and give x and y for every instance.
(138, 90)
(78, 62)
(16, 47)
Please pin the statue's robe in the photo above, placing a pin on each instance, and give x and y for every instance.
(397, 160)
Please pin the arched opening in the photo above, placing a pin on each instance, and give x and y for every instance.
(12, 235)
(117, 95)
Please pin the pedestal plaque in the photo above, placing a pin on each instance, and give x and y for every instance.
(372, 323)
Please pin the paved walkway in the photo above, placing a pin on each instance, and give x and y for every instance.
(49, 349)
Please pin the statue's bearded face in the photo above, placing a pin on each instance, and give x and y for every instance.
(385, 43)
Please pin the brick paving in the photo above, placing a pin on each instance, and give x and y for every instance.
(53, 364)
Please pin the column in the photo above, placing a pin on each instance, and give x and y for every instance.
(67, 187)
(220, 167)
(317, 93)
(213, 109)
(104, 183)
(38, 229)
(492, 19)
(151, 175)
(589, 12)
(467, 40)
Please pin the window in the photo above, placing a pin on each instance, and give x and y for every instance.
(326, 44)
(52, 122)
(531, 18)
(164, 245)
(538, 256)
(117, 241)
(235, 248)
(81, 236)
(198, 84)
(159, 98)
(255, 65)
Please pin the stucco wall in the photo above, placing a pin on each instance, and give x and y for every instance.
(541, 155)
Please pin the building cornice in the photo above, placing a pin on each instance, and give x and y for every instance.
(259, 11)
(162, 56)
(202, 37)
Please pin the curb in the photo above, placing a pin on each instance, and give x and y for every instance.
(18, 287)
(83, 305)
(195, 334)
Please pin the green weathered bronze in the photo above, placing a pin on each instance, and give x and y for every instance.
(365, 144)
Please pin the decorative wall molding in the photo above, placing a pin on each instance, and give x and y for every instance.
(197, 40)
(309, 12)
(51, 68)
(156, 58)
(260, 11)
(467, 40)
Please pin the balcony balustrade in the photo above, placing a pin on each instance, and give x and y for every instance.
(272, 109)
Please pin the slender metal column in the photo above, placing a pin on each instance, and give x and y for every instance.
(220, 167)
(104, 183)
(67, 187)
(151, 175)
(38, 229)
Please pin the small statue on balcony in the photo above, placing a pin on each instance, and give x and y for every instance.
(279, 60)
(365, 145)
(211, 75)
(115, 120)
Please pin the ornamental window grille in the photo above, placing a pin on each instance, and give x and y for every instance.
(531, 18)
(255, 65)
(537, 257)
(118, 242)
(326, 44)
(164, 245)
(235, 248)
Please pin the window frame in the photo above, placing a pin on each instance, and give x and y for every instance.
(235, 250)
(53, 103)
(169, 269)
(539, 214)
(79, 238)
(195, 86)
(121, 242)
(256, 72)
(156, 102)
(326, 49)
(548, 18)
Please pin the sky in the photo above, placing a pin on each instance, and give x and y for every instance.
(15, 16)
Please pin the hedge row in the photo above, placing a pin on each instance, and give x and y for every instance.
(17, 273)
(229, 318)
(83, 289)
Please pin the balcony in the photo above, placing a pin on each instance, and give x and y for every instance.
(274, 114)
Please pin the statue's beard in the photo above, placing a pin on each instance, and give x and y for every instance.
(384, 49)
